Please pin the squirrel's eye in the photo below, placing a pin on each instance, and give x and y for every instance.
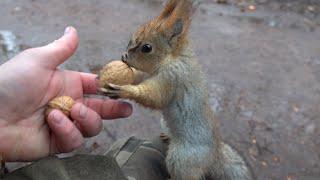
(147, 48)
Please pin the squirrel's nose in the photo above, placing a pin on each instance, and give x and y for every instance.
(124, 57)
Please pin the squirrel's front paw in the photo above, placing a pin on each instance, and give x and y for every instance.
(114, 91)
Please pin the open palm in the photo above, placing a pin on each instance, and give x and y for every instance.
(28, 82)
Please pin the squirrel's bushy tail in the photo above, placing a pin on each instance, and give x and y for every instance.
(234, 166)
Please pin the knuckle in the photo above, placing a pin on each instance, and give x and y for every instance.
(30, 52)
(65, 46)
(74, 141)
(95, 127)
(68, 131)
(98, 127)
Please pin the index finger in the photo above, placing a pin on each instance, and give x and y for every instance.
(89, 83)
(108, 108)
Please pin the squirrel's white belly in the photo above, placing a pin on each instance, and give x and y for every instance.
(186, 122)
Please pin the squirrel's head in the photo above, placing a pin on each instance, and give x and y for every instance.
(162, 37)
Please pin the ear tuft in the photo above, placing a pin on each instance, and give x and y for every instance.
(168, 9)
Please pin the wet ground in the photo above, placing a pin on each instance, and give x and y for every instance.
(263, 68)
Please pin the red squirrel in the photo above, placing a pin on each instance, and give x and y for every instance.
(176, 86)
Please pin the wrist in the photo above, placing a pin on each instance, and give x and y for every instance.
(5, 147)
(11, 149)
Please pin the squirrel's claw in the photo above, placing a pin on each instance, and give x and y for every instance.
(115, 91)
(113, 94)
(113, 87)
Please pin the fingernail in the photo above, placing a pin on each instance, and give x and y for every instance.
(67, 30)
(83, 111)
(126, 110)
(98, 83)
(57, 118)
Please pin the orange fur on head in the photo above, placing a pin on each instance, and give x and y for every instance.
(167, 34)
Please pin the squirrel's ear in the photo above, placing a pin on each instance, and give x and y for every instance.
(168, 9)
(174, 31)
(177, 28)
(175, 20)
(176, 17)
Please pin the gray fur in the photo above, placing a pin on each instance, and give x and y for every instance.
(194, 143)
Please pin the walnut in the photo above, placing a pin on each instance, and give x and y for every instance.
(63, 103)
(116, 72)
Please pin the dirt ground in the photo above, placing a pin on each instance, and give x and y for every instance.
(263, 69)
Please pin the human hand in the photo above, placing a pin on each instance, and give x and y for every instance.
(28, 82)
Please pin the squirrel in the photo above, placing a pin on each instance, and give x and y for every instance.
(176, 86)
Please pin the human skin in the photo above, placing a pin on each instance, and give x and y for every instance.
(28, 82)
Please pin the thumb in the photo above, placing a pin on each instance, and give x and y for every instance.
(55, 53)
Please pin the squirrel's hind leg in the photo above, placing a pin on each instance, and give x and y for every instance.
(186, 163)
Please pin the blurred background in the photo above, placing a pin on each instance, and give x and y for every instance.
(261, 57)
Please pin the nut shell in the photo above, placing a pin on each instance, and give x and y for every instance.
(116, 72)
(63, 103)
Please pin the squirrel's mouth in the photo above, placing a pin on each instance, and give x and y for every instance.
(126, 62)
(124, 58)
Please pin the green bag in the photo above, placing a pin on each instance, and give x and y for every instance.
(128, 158)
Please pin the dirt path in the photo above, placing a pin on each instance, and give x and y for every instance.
(263, 69)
